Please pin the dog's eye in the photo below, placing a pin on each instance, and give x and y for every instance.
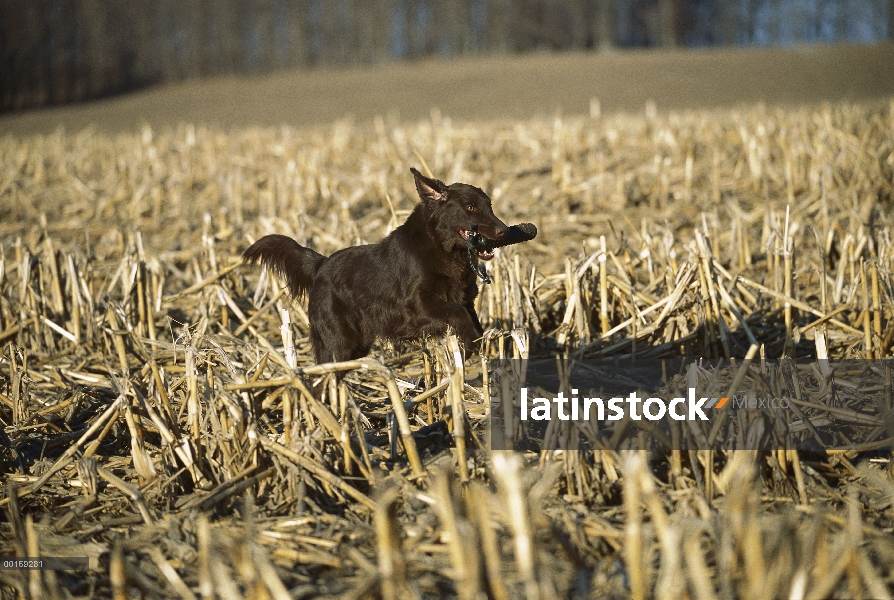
(470, 208)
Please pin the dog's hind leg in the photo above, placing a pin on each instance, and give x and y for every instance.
(336, 341)
(333, 342)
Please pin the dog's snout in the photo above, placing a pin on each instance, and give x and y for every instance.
(501, 232)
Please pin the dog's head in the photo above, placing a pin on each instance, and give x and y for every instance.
(457, 208)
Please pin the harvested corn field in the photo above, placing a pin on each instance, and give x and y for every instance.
(154, 391)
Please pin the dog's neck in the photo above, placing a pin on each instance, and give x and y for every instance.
(425, 219)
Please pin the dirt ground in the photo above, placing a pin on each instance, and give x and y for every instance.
(489, 88)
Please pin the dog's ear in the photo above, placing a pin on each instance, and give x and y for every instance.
(428, 188)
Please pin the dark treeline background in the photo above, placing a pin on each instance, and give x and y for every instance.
(60, 51)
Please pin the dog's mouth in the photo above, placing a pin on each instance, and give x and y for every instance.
(483, 254)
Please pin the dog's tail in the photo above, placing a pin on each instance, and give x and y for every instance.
(291, 262)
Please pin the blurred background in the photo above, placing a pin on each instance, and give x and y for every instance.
(56, 52)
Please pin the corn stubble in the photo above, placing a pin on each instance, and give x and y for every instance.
(154, 395)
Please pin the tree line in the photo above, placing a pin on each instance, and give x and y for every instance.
(61, 51)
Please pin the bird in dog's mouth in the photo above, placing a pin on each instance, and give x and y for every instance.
(477, 239)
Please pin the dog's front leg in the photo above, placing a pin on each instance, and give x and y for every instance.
(457, 316)
(470, 296)
(470, 308)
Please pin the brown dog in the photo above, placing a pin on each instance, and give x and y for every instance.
(413, 283)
